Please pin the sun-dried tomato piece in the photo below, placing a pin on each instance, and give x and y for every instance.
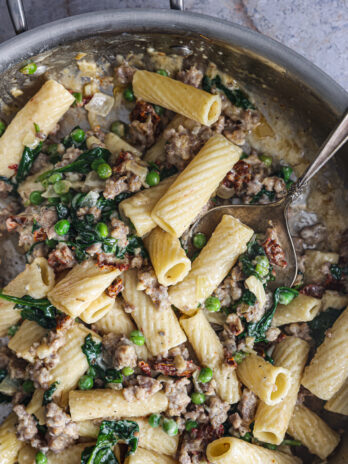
(145, 367)
(40, 235)
(273, 249)
(314, 290)
(142, 111)
(115, 288)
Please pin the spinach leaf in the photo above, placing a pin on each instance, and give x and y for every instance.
(246, 259)
(62, 211)
(93, 352)
(82, 164)
(236, 96)
(48, 395)
(122, 196)
(259, 195)
(336, 271)
(134, 243)
(5, 398)
(40, 310)
(31, 249)
(110, 433)
(319, 325)
(29, 155)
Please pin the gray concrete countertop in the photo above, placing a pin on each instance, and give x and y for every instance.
(317, 29)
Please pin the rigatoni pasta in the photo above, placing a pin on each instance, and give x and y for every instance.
(161, 329)
(176, 96)
(227, 242)
(144, 456)
(138, 208)
(230, 450)
(80, 287)
(29, 333)
(328, 369)
(97, 309)
(271, 422)
(45, 109)
(301, 309)
(270, 383)
(95, 404)
(185, 198)
(339, 402)
(9, 443)
(313, 432)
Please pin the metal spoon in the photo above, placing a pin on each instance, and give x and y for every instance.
(258, 217)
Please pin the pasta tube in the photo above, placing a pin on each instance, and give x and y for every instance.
(27, 455)
(97, 309)
(314, 261)
(271, 422)
(302, 308)
(80, 287)
(230, 450)
(95, 404)
(71, 455)
(139, 206)
(45, 109)
(209, 351)
(270, 383)
(161, 329)
(167, 256)
(328, 369)
(36, 280)
(185, 198)
(144, 456)
(227, 242)
(29, 333)
(176, 96)
(9, 443)
(313, 432)
(339, 402)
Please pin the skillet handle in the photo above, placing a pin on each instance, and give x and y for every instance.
(16, 10)
(177, 4)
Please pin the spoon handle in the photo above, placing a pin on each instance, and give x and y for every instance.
(337, 138)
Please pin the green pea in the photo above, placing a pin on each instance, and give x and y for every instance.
(212, 304)
(266, 159)
(286, 297)
(137, 337)
(62, 227)
(102, 229)
(28, 386)
(78, 98)
(239, 356)
(96, 163)
(104, 171)
(55, 177)
(29, 68)
(197, 398)
(205, 375)
(51, 243)
(53, 201)
(127, 371)
(36, 198)
(199, 240)
(262, 265)
(61, 187)
(162, 72)
(2, 127)
(91, 371)
(286, 172)
(66, 198)
(154, 420)
(190, 425)
(159, 109)
(78, 135)
(118, 128)
(40, 458)
(86, 382)
(152, 178)
(170, 427)
(129, 95)
(12, 330)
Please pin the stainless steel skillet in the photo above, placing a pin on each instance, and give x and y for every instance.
(276, 75)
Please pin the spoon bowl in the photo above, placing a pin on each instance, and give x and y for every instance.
(259, 219)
